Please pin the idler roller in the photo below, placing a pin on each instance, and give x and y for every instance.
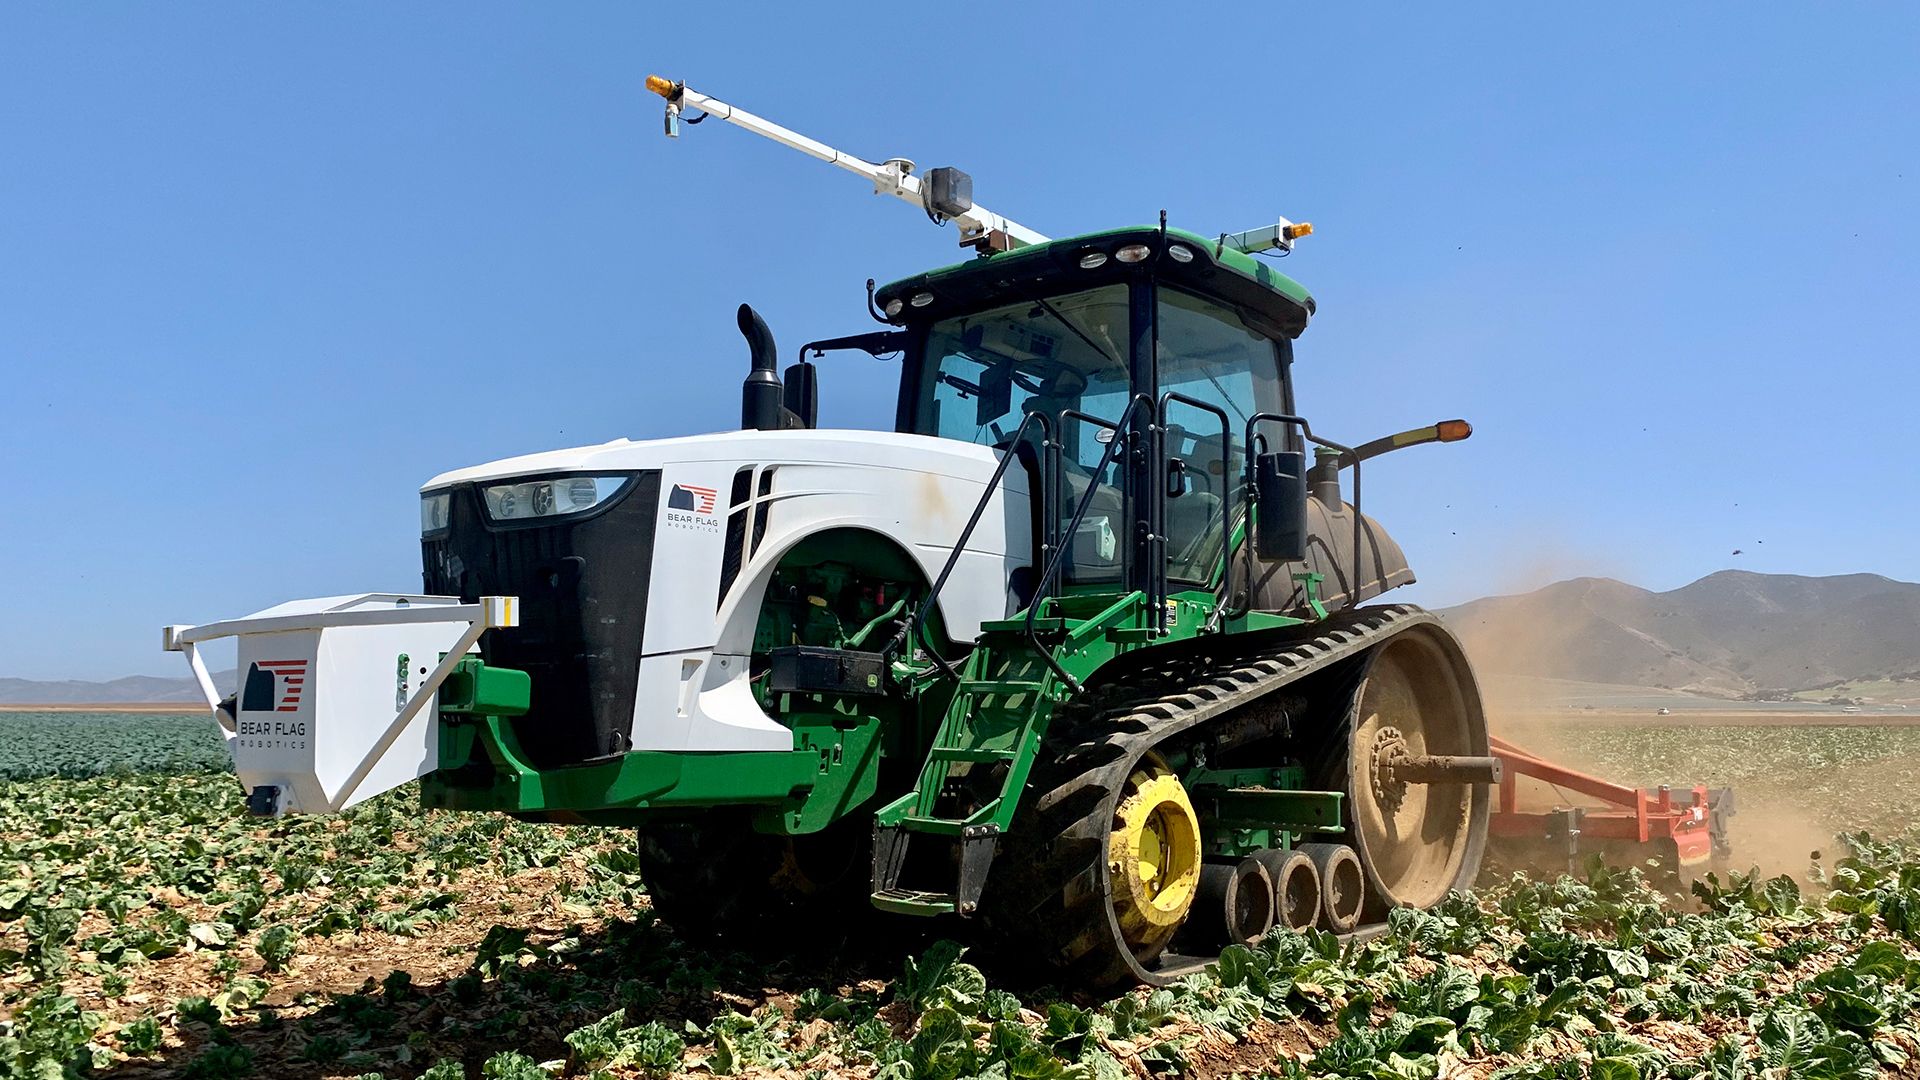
(1342, 884)
(1296, 887)
(1235, 902)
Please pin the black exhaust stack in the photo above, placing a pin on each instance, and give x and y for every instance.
(761, 396)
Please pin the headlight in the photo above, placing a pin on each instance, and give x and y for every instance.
(553, 497)
(434, 506)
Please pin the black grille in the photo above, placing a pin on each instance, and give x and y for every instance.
(731, 555)
(582, 586)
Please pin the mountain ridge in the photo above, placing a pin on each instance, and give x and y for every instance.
(126, 690)
(1733, 633)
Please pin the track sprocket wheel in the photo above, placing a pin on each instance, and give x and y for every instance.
(1153, 858)
(1417, 841)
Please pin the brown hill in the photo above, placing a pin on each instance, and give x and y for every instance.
(1731, 633)
(145, 689)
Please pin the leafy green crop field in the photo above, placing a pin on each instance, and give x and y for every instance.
(34, 744)
(149, 928)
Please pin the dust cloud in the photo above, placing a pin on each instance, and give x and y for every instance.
(1772, 834)
(1514, 653)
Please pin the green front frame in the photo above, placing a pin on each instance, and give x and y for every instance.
(830, 773)
(833, 769)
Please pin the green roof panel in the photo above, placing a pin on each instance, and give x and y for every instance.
(1234, 276)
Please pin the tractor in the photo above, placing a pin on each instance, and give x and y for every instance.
(1081, 650)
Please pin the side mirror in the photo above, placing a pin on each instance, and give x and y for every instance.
(802, 394)
(1280, 508)
(996, 395)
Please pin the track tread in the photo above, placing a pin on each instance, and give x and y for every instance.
(1049, 895)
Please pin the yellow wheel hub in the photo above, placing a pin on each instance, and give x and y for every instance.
(1153, 858)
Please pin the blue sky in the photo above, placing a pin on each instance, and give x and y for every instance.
(265, 268)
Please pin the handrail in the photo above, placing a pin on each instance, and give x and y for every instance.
(1048, 447)
(1118, 427)
(1226, 504)
(1353, 586)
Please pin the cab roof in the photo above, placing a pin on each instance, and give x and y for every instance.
(1263, 294)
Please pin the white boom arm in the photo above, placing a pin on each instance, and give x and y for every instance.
(978, 225)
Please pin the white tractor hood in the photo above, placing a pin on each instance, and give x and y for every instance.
(710, 571)
(915, 453)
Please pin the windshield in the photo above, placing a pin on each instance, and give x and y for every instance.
(985, 371)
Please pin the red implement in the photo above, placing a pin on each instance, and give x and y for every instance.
(1693, 819)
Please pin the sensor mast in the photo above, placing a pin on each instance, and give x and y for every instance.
(945, 193)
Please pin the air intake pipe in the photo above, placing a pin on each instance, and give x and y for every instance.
(761, 396)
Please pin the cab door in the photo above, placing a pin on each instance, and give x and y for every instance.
(1208, 353)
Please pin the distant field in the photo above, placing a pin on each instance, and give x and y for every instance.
(1869, 689)
(1529, 695)
(110, 707)
(1709, 718)
(75, 744)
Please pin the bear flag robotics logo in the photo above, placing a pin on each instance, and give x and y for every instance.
(698, 500)
(273, 686)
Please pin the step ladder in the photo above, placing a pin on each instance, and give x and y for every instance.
(999, 713)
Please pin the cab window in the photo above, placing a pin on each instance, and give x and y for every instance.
(1208, 353)
(984, 372)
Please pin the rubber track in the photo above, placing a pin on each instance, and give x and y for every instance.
(1051, 898)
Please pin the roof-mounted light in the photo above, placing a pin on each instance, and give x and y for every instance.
(1093, 260)
(1133, 253)
(1279, 235)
